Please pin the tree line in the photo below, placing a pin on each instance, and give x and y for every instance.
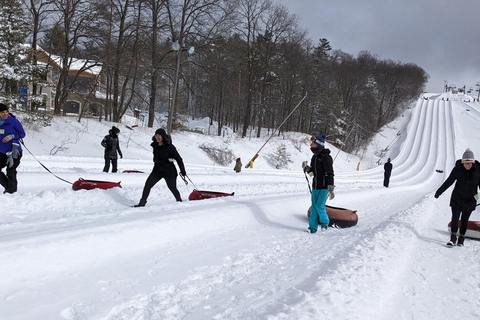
(243, 63)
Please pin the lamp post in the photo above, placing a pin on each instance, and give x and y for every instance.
(176, 47)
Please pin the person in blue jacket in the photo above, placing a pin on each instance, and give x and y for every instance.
(164, 152)
(11, 131)
(321, 166)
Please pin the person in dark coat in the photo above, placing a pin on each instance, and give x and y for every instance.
(238, 165)
(164, 152)
(388, 171)
(11, 131)
(321, 166)
(466, 175)
(112, 146)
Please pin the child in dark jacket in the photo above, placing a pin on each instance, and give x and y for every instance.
(112, 145)
(321, 166)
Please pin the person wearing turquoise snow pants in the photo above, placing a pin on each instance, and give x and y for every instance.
(321, 167)
(318, 213)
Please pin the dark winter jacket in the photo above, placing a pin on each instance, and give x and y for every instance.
(388, 167)
(238, 165)
(466, 186)
(322, 167)
(163, 158)
(11, 126)
(111, 145)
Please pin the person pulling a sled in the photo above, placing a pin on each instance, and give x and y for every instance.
(387, 173)
(466, 175)
(164, 152)
(11, 131)
(112, 146)
(321, 166)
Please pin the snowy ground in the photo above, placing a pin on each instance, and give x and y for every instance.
(88, 255)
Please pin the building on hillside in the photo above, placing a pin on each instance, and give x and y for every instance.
(86, 80)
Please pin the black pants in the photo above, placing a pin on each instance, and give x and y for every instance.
(386, 179)
(107, 165)
(9, 181)
(152, 180)
(464, 221)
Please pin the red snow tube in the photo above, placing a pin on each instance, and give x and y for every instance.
(132, 171)
(473, 229)
(82, 184)
(340, 217)
(200, 195)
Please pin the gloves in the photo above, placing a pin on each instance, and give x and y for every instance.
(15, 152)
(436, 195)
(331, 193)
(305, 166)
(9, 159)
(183, 174)
(121, 156)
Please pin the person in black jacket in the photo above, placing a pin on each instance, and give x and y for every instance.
(164, 152)
(466, 175)
(112, 146)
(388, 171)
(321, 166)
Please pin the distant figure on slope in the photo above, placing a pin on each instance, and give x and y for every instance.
(11, 131)
(238, 165)
(164, 152)
(111, 145)
(388, 171)
(321, 166)
(466, 175)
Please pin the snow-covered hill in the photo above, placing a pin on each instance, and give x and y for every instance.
(89, 255)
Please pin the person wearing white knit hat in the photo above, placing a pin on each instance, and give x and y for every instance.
(466, 175)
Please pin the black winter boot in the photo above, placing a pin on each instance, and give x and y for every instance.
(142, 203)
(453, 241)
(460, 241)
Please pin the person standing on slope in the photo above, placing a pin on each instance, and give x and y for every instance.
(112, 145)
(388, 171)
(321, 166)
(466, 175)
(11, 131)
(238, 165)
(164, 152)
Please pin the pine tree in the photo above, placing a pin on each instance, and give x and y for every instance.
(15, 68)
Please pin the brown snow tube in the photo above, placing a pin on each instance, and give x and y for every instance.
(340, 217)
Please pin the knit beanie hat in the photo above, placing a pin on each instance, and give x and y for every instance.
(115, 130)
(468, 156)
(3, 107)
(319, 140)
(161, 132)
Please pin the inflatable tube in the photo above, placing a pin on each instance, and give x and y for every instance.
(340, 217)
(201, 194)
(473, 229)
(82, 184)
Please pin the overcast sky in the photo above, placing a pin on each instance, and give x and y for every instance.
(440, 36)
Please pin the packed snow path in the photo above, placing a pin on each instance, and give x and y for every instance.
(89, 255)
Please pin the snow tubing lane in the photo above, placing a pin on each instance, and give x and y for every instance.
(473, 229)
(82, 184)
(201, 194)
(340, 217)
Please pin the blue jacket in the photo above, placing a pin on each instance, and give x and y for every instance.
(11, 126)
